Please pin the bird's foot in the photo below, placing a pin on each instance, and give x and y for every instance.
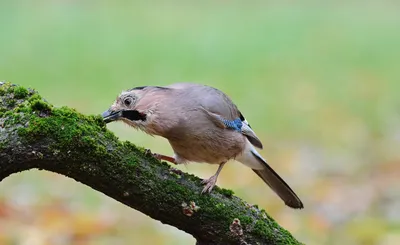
(209, 184)
(148, 152)
(160, 156)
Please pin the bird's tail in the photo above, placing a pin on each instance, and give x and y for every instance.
(277, 184)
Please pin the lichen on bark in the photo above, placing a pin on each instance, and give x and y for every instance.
(35, 134)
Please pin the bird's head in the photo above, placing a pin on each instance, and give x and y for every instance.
(128, 107)
(137, 107)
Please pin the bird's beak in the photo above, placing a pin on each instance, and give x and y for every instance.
(110, 115)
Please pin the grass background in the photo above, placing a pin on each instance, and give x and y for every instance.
(319, 82)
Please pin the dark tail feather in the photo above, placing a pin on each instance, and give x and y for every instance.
(277, 184)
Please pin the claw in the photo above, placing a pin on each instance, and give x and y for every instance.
(209, 184)
(147, 152)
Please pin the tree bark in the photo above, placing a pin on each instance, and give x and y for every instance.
(34, 134)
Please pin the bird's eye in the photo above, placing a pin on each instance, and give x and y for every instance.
(128, 101)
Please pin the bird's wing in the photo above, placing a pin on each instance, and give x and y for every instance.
(219, 108)
(237, 124)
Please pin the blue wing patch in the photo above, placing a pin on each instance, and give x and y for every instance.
(234, 124)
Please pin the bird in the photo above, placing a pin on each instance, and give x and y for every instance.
(202, 124)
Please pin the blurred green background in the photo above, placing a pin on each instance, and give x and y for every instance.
(317, 80)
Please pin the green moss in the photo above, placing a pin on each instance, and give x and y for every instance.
(68, 132)
(4, 89)
(226, 192)
(15, 92)
(13, 119)
(208, 203)
(265, 215)
(91, 143)
(175, 175)
(8, 113)
(65, 124)
(24, 108)
(173, 187)
(69, 129)
(10, 102)
(272, 230)
(261, 228)
(35, 97)
(132, 160)
(245, 220)
(2, 145)
(220, 206)
(40, 105)
(193, 178)
(20, 92)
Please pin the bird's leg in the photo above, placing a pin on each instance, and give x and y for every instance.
(160, 156)
(210, 182)
(165, 158)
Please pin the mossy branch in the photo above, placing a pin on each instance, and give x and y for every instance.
(34, 134)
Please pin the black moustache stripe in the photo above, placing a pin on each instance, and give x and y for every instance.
(134, 115)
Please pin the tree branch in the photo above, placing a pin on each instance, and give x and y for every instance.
(34, 134)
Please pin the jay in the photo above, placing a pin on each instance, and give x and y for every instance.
(202, 124)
